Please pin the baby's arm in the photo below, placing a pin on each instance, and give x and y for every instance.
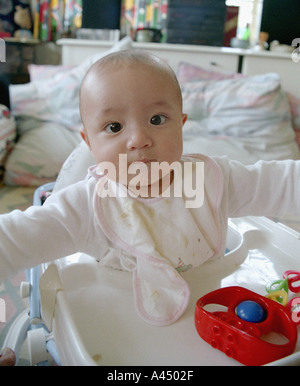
(264, 189)
(44, 233)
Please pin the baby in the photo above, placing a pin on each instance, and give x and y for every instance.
(135, 110)
(131, 109)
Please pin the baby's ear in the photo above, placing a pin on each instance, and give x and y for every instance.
(84, 136)
(184, 118)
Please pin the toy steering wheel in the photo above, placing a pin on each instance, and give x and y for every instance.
(242, 339)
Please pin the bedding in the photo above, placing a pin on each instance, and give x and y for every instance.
(294, 104)
(46, 111)
(8, 133)
(245, 118)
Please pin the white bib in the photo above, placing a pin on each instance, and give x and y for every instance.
(165, 237)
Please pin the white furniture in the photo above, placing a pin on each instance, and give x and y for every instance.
(74, 51)
(249, 62)
(262, 62)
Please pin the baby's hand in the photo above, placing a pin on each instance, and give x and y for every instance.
(7, 357)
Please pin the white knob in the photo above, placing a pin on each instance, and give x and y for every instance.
(37, 349)
(25, 289)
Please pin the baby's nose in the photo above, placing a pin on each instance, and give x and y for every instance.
(139, 139)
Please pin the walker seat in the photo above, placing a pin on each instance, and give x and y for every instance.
(82, 313)
(89, 307)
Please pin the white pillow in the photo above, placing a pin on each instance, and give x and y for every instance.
(7, 135)
(46, 71)
(39, 155)
(57, 99)
(252, 110)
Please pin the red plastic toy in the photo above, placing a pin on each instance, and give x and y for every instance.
(293, 277)
(241, 339)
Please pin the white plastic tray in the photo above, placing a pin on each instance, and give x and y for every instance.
(95, 321)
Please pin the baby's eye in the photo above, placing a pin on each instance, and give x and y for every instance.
(114, 127)
(158, 120)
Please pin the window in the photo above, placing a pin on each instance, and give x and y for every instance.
(250, 12)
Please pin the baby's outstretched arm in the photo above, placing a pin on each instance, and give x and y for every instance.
(264, 189)
(62, 226)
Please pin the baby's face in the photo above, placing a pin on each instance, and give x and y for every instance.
(134, 111)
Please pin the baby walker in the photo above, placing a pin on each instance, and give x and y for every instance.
(41, 346)
(259, 251)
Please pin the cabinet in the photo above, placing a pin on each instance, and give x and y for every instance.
(248, 62)
(74, 51)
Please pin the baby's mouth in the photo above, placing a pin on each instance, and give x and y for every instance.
(142, 160)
